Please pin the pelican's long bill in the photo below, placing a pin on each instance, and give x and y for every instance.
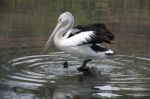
(51, 38)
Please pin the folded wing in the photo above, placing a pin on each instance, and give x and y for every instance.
(90, 34)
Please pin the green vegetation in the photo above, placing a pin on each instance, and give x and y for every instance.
(35, 17)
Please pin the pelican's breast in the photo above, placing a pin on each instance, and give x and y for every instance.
(73, 50)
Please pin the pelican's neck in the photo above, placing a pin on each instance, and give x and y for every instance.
(61, 32)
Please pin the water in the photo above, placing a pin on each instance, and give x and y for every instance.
(25, 74)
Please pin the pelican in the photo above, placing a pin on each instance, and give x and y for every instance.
(80, 41)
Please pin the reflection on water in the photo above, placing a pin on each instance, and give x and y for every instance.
(120, 77)
(24, 29)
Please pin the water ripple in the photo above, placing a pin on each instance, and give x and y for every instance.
(121, 75)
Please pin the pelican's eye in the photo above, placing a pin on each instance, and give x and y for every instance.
(59, 19)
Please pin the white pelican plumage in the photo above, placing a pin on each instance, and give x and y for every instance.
(80, 41)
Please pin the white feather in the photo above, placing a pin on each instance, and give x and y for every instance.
(67, 34)
(71, 31)
(78, 39)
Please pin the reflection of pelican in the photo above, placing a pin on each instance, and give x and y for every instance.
(81, 41)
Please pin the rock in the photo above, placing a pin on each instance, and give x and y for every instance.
(93, 71)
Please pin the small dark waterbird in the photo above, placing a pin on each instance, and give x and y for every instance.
(80, 41)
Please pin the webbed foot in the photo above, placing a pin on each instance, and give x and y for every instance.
(83, 66)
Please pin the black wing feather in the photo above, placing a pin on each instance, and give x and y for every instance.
(101, 33)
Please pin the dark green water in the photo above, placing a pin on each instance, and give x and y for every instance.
(25, 26)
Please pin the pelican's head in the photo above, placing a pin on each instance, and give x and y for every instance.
(66, 21)
(66, 18)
